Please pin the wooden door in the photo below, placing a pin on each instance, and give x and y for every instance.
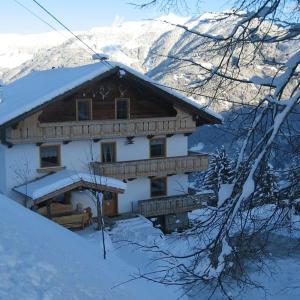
(110, 204)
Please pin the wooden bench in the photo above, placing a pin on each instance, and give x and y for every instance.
(76, 220)
(65, 215)
(56, 209)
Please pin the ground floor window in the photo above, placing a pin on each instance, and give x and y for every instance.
(108, 152)
(158, 187)
(50, 156)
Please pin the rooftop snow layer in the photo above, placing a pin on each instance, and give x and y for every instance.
(39, 87)
(56, 181)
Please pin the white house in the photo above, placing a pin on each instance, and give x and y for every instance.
(101, 119)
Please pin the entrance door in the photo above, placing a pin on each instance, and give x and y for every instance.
(110, 204)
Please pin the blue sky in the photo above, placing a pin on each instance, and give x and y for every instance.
(83, 14)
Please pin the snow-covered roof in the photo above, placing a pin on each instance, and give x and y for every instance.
(57, 181)
(39, 87)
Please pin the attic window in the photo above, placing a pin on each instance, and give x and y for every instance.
(84, 109)
(122, 108)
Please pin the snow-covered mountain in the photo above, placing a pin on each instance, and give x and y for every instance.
(143, 45)
(127, 42)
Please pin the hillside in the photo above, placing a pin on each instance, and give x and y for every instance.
(127, 42)
(42, 260)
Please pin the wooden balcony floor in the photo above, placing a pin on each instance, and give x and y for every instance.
(152, 167)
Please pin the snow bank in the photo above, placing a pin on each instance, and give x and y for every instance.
(41, 260)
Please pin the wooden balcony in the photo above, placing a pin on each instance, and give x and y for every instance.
(152, 167)
(35, 132)
(169, 205)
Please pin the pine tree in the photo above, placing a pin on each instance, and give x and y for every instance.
(294, 181)
(220, 171)
(266, 186)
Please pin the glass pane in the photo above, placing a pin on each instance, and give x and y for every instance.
(49, 156)
(122, 109)
(84, 112)
(108, 152)
(158, 187)
(157, 148)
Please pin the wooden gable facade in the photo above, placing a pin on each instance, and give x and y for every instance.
(103, 94)
(149, 110)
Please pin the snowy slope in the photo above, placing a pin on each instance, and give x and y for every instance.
(282, 284)
(41, 260)
(127, 42)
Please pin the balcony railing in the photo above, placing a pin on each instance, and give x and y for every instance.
(45, 132)
(169, 205)
(152, 167)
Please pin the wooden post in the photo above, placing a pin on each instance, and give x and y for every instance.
(49, 201)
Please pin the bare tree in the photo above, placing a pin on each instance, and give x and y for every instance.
(252, 32)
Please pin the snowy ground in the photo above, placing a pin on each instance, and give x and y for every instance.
(282, 283)
(40, 260)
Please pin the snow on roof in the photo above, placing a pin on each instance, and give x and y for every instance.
(56, 181)
(39, 87)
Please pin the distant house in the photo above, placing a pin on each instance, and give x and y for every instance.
(105, 120)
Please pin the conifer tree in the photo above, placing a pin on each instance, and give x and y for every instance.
(220, 171)
(266, 186)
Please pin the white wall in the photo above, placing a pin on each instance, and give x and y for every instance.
(21, 162)
(139, 189)
(177, 145)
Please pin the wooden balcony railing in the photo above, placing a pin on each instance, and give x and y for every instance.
(169, 205)
(45, 132)
(152, 167)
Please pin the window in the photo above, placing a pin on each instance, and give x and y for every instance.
(122, 108)
(158, 147)
(158, 187)
(108, 152)
(50, 156)
(84, 109)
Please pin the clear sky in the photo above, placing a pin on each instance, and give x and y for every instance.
(83, 14)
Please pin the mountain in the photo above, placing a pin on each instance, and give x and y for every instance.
(127, 42)
(144, 45)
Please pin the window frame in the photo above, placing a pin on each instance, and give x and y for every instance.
(89, 100)
(165, 178)
(165, 147)
(128, 108)
(114, 152)
(58, 146)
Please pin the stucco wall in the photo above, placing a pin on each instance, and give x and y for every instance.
(139, 189)
(21, 163)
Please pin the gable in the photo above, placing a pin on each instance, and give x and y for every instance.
(103, 93)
